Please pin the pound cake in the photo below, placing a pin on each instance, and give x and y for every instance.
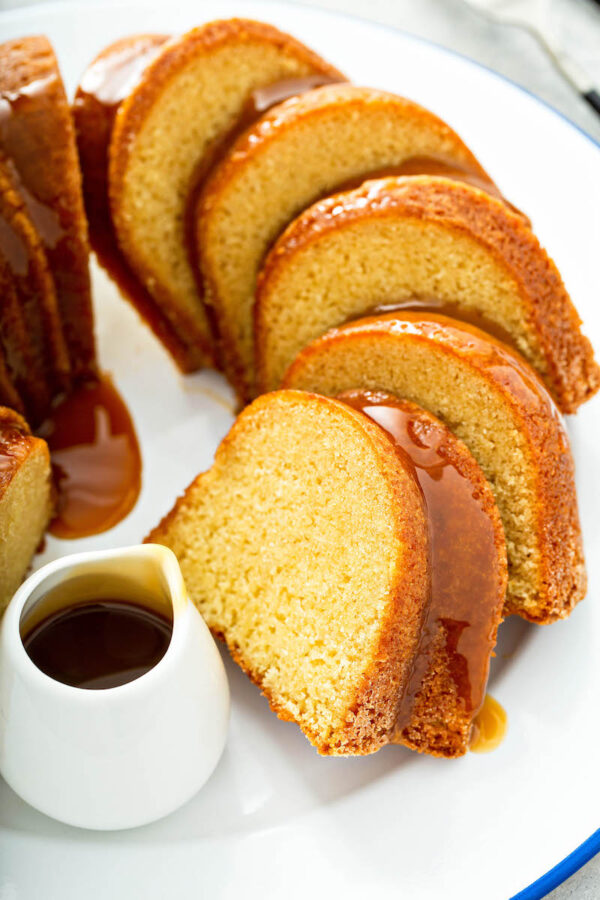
(37, 140)
(420, 242)
(25, 499)
(165, 135)
(494, 402)
(297, 153)
(306, 548)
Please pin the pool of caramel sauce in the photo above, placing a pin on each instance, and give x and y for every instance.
(464, 597)
(96, 460)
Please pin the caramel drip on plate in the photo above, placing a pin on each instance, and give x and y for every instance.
(96, 460)
(459, 628)
(489, 727)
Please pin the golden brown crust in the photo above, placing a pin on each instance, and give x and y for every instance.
(561, 563)
(303, 110)
(26, 499)
(132, 113)
(573, 375)
(16, 443)
(35, 124)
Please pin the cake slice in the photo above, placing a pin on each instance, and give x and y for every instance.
(297, 153)
(107, 81)
(420, 242)
(32, 334)
(38, 141)
(25, 499)
(306, 548)
(493, 401)
(164, 138)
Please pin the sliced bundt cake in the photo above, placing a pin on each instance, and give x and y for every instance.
(298, 152)
(420, 241)
(165, 134)
(25, 499)
(306, 548)
(38, 141)
(494, 402)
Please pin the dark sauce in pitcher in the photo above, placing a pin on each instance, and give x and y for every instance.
(98, 644)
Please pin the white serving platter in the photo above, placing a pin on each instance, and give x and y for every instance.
(276, 820)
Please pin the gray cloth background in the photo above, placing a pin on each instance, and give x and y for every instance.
(516, 54)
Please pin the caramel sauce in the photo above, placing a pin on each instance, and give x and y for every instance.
(446, 308)
(434, 165)
(426, 165)
(96, 460)
(465, 600)
(30, 153)
(489, 727)
(98, 645)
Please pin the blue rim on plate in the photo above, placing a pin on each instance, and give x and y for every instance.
(575, 860)
(563, 870)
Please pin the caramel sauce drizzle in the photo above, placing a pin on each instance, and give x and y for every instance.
(96, 460)
(459, 629)
(433, 164)
(446, 308)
